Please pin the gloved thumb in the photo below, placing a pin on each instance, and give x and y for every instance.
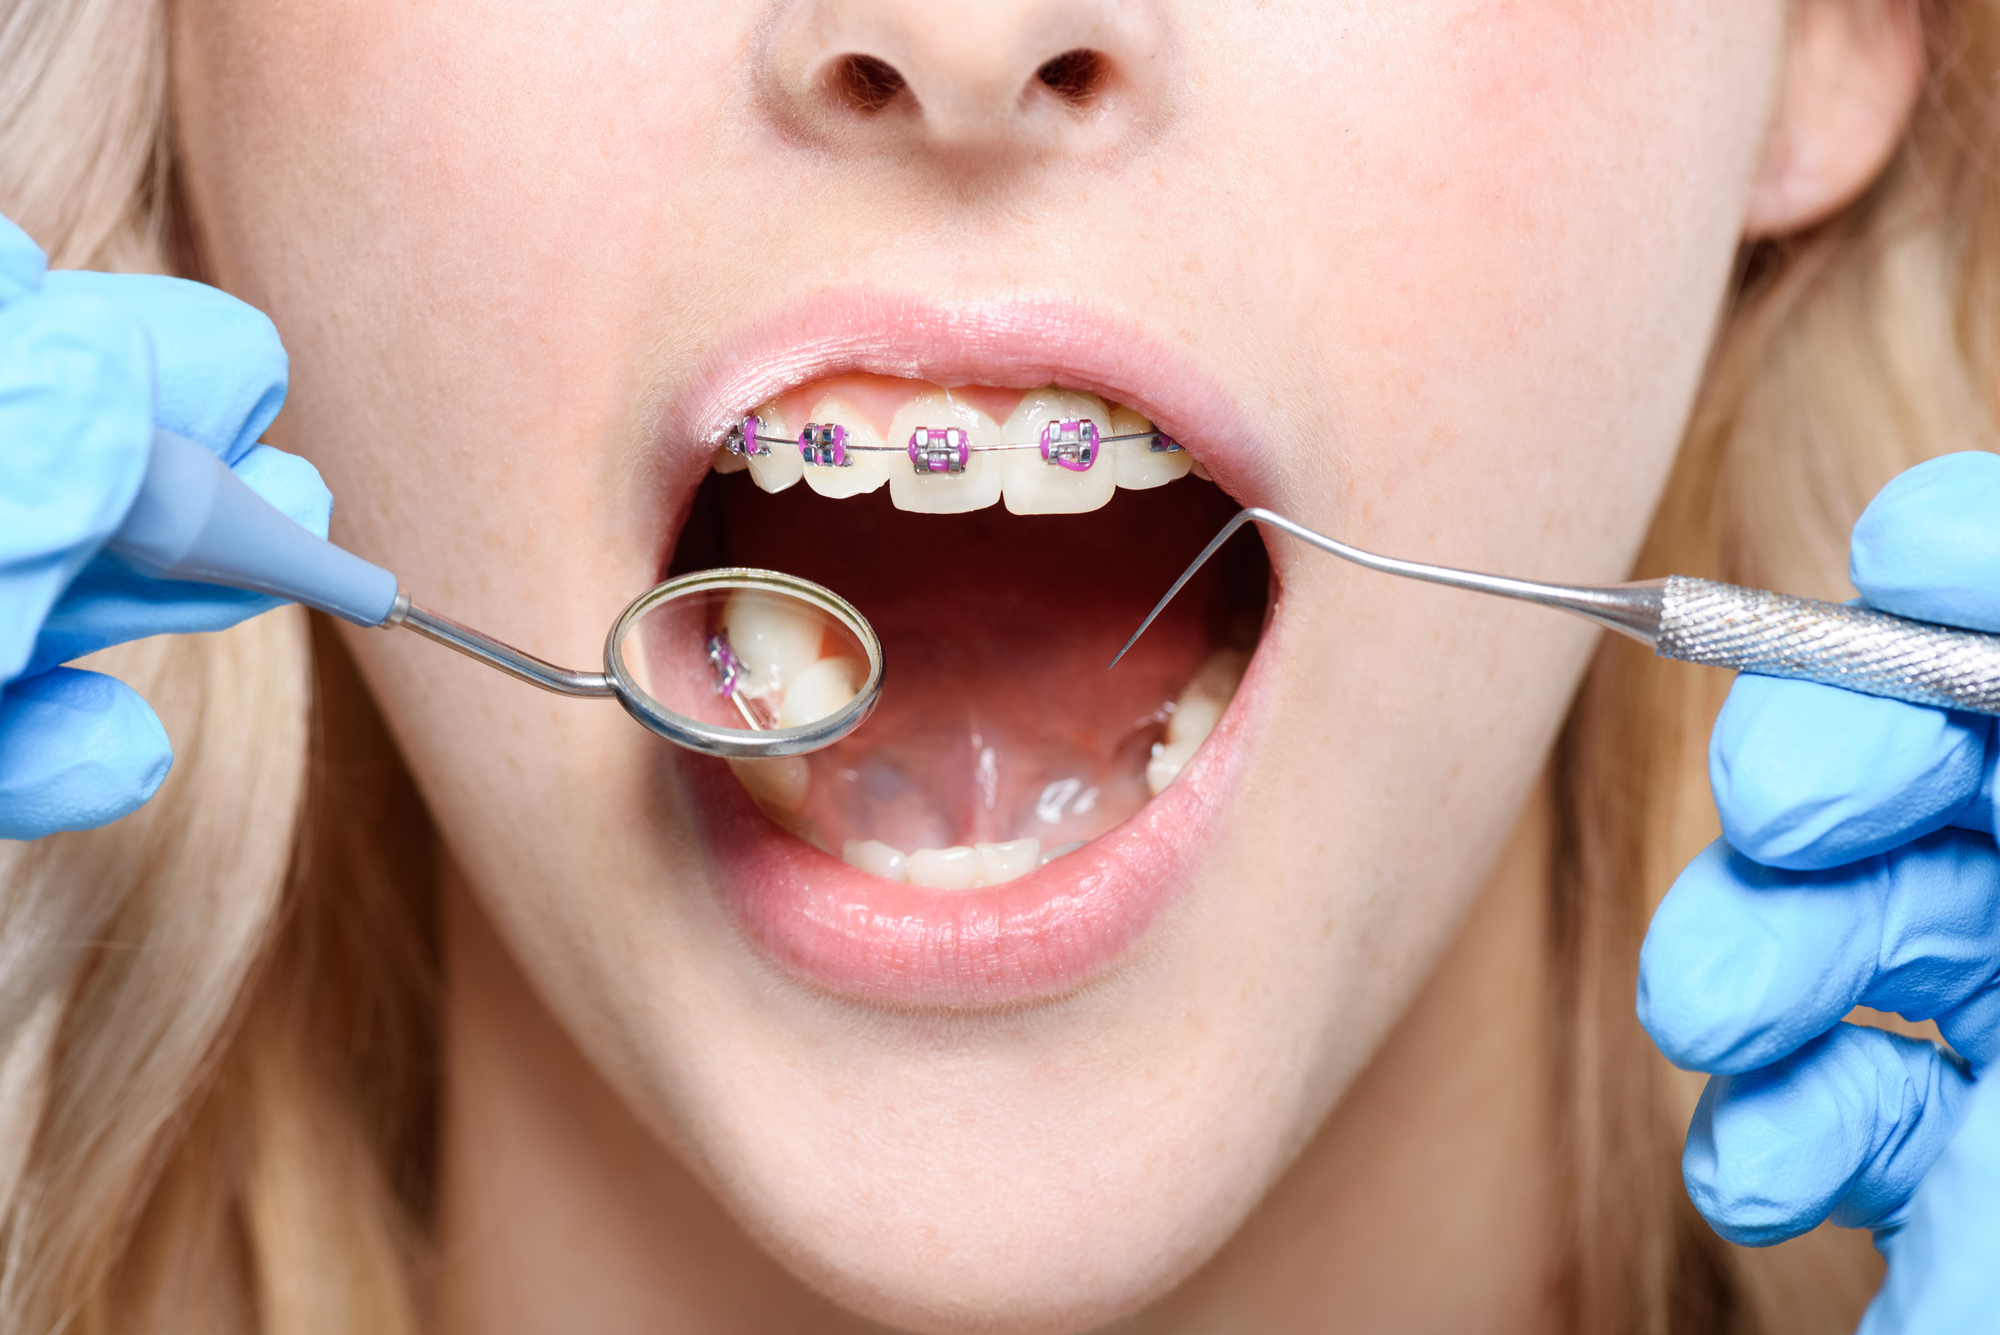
(1944, 1261)
(77, 750)
(1845, 1127)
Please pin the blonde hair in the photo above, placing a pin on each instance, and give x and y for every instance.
(217, 1016)
(1847, 355)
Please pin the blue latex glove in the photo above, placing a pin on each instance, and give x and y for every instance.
(1857, 867)
(89, 364)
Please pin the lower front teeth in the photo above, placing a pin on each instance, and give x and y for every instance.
(783, 788)
(965, 867)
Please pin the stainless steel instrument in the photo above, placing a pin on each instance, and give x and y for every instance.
(1720, 625)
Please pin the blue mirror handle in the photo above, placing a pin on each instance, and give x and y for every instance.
(196, 520)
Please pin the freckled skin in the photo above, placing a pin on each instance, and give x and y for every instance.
(1454, 264)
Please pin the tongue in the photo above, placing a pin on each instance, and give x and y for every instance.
(998, 720)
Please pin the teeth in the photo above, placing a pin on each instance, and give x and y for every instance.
(944, 868)
(1029, 484)
(1003, 862)
(1037, 487)
(876, 858)
(965, 868)
(781, 783)
(1135, 464)
(1195, 715)
(1167, 762)
(727, 461)
(774, 641)
(944, 493)
(782, 466)
(821, 690)
(867, 466)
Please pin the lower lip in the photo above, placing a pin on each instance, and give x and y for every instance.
(1048, 933)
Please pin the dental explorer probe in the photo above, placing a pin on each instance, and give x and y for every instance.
(1718, 625)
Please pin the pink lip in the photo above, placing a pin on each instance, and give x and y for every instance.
(1050, 932)
(1069, 922)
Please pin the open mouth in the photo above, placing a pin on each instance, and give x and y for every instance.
(1013, 815)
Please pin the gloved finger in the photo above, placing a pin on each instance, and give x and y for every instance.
(1944, 1260)
(77, 750)
(1928, 545)
(1744, 963)
(220, 368)
(75, 431)
(1810, 776)
(22, 263)
(1844, 1128)
(110, 603)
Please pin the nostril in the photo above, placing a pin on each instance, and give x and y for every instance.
(868, 84)
(1075, 76)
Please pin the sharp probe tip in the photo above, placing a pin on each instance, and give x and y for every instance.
(1236, 521)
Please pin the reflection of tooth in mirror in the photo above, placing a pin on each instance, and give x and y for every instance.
(945, 493)
(782, 466)
(867, 464)
(821, 690)
(774, 637)
(1136, 465)
(1033, 486)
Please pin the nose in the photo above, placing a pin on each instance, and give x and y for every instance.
(993, 78)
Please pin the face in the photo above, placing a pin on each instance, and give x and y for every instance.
(1096, 951)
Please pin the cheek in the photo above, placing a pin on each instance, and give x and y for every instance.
(1511, 230)
(457, 228)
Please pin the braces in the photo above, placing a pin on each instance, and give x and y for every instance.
(729, 674)
(1073, 443)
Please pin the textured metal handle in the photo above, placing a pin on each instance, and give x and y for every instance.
(1854, 648)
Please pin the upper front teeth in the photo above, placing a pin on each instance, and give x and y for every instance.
(931, 420)
(1057, 452)
(1043, 481)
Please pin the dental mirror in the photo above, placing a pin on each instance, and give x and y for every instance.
(738, 663)
(745, 663)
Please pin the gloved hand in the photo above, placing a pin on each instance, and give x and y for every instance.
(1857, 867)
(90, 363)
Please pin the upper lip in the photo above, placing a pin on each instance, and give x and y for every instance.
(1014, 342)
